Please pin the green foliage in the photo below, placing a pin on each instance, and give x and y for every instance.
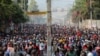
(33, 6)
(83, 9)
(7, 2)
(80, 7)
(18, 15)
(96, 9)
(11, 12)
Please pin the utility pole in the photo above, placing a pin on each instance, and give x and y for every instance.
(91, 12)
(49, 18)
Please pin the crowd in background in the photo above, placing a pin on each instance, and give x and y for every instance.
(77, 42)
(31, 40)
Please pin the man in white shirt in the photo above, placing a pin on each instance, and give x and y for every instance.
(41, 47)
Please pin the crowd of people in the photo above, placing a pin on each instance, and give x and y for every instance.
(77, 42)
(31, 40)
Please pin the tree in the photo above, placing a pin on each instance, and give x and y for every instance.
(10, 12)
(82, 9)
(32, 7)
(96, 9)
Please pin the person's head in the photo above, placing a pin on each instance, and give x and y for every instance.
(30, 43)
(72, 49)
(10, 44)
(90, 48)
(85, 47)
(98, 49)
(21, 54)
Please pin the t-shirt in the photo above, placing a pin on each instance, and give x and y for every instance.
(90, 54)
(41, 46)
(71, 54)
(94, 53)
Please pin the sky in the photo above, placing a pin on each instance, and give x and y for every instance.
(57, 5)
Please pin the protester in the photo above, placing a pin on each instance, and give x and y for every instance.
(31, 40)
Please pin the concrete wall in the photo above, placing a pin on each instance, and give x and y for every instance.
(88, 24)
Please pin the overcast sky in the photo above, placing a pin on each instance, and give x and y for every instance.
(55, 4)
(58, 16)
